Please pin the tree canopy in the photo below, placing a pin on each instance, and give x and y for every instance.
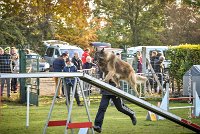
(119, 22)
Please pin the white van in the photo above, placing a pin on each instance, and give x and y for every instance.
(149, 49)
(57, 48)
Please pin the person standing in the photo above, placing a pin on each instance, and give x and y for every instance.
(5, 67)
(71, 81)
(85, 55)
(15, 59)
(106, 96)
(139, 61)
(1, 66)
(159, 70)
(77, 61)
(153, 59)
(88, 64)
(58, 65)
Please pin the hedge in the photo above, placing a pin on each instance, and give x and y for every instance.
(182, 57)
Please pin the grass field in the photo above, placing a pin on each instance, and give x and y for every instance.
(13, 119)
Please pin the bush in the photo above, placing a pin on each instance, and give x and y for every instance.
(182, 57)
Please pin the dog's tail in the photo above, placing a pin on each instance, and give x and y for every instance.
(144, 80)
(141, 79)
(132, 81)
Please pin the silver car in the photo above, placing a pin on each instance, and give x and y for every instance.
(36, 63)
(55, 50)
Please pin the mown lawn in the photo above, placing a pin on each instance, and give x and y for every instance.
(13, 119)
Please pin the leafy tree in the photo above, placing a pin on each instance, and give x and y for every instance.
(19, 13)
(72, 22)
(182, 25)
(47, 19)
(10, 33)
(138, 22)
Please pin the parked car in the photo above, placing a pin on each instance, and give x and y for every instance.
(34, 60)
(55, 49)
(100, 45)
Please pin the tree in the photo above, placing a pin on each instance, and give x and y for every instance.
(138, 21)
(18, 13)
(72, 24)
(47, 19)
(182, 25)
(10, 33)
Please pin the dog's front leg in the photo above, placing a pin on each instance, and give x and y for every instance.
(116, 81)
(108, 76)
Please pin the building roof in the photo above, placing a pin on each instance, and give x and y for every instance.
(195, 71)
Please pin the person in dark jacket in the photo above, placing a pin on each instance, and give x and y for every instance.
(77, 61)
(6, 65)
(70, 81)
(159, 70)
(88, 64)
(106, 96)
(88, 68)
(58, 65)
(154, 59)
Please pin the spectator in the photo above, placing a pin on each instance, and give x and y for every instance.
(106, 96)
(159, 66)
(77, 61)
(1, 67)
(58, 65)
(88, 68)
(88, 64)
(70, 81)
(66, 52)
(159, 70)
(5, 67)
(139, 61)
(153, 59)
(15, 60)
(85, 54)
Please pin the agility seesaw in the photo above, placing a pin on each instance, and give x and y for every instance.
(141, 103)
(100, 84)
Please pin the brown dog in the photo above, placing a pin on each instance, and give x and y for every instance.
(117, 69)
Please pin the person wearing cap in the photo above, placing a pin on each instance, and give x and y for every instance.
(58, 65)
(5, 67)
(85, 55)
(70, 67)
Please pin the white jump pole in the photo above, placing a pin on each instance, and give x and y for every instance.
(27, 108)
(196, 101)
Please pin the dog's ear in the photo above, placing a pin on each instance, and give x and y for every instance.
(102, 50)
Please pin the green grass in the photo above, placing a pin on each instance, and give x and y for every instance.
(13, 119)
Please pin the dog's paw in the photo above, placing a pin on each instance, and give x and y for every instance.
(118, 87)
(104, 80)
(137, 94)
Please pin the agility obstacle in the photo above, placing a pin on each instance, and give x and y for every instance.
(141, 103)
(68, 123)
(196, 102)
(115, 91)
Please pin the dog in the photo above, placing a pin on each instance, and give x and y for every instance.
(116, 69)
